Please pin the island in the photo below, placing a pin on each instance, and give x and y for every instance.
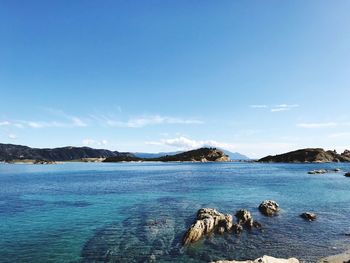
(11, 153)
(204, 154)
(308, 155)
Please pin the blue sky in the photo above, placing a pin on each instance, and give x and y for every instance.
(258, 77)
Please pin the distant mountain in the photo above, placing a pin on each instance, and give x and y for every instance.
(198, 155)
(232, 155)
(309, 155)
(9, 152)
(154, 155)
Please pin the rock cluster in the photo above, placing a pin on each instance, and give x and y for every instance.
(207, 221)
(264, 259)
(269, 208)
(210, 220)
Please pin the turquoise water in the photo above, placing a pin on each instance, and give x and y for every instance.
(138, 212)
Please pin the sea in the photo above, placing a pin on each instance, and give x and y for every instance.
(139, 212)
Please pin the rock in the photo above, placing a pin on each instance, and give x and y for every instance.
(264, 259)
(237, 228)
(43, 162)
(269, 208)
(321, 171)
(208, 220)
(308, 216)
(340, 258)
(336, 170)
(256, 224)
(244, 218)
(347, 174)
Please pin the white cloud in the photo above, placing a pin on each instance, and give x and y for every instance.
(12, 136)
(253, 150)
(283, 107)
(279, 109)
(262, 106)
(339, 135)
(275, 108)
(77, 122)
(92, 142)
(186, 143)
(317, 125)
(149, 120)
(4, 123)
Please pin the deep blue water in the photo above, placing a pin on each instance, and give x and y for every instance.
(138, 212)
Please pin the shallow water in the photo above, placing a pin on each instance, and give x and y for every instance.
(138, 212)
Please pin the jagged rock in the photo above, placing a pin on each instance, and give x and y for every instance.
(264, 259)
(244, 218)
(347, 174)
(208, 219)
(308, 216)
(269, 208)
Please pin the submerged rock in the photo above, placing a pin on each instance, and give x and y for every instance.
(269, 208)
(264, 259)
(321, 171)
(208, 220)
(309, 216)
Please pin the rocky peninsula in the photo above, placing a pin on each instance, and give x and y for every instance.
(308, 155)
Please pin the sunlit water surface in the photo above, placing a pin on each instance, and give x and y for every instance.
(138, 212)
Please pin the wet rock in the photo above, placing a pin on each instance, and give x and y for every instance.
(264, 259)
(308, 216)
(208, 219)
(257, 225)
(269, 208)
(244, 218)
(347, 174)
(237, 228)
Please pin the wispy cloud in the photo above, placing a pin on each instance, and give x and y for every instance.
(260, 106)
(66, 121)
(5, 123)
(283, 107)
(12, 136)
(275, 108)
(186, 143)
(143, 121)
(317, 125)
(92, 142)
(339, 135)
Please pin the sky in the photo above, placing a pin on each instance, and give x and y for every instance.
(256, 77)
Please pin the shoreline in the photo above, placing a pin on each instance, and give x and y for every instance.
(338, 258)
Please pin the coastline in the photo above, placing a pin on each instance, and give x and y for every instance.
(338, 258)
